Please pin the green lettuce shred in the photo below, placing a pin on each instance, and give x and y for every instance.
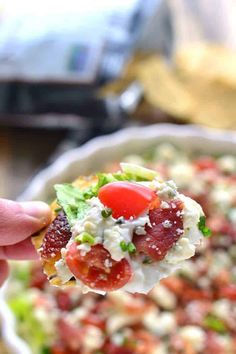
(73, 200)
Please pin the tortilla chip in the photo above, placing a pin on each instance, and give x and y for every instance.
(163, 89)
(37, 239)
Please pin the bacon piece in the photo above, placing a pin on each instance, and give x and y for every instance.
(56, 237)
(166, 229)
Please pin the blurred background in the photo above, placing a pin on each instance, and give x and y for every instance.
(71, 70)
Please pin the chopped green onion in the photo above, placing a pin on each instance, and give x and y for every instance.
(203, 228)
(131, 247)
(214, 323)
(58, 209)
(85, 237)
(202, 222)
(106, 213)
(206, 232)
(123, 246)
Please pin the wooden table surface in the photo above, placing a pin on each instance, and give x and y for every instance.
(23, 152)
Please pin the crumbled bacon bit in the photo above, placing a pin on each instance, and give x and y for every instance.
(164, 232)
(56, 237)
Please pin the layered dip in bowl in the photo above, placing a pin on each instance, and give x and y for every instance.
(192, 311)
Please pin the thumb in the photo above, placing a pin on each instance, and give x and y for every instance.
(20, 220)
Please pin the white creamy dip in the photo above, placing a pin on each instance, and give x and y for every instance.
(111, 233)
(107, 230)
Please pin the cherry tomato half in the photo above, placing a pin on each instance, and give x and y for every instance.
(128, 199)
(205, 163)
(94, 272)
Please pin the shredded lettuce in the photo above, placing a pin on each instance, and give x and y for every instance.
(28, 326)
(73, 199)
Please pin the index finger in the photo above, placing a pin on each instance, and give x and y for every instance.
(20, 220)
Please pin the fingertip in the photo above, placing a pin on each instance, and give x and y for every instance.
(38, 210)
(18, 221)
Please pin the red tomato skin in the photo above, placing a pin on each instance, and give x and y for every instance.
(213, 344)
(127, 199)
(229, 292)
(94, 320)
(205, 163)
(63, 301)
(58, 349)
(110, 348)
(91, 270)
(191, 294)
(69, 334)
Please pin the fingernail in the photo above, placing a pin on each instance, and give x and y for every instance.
(38, 210)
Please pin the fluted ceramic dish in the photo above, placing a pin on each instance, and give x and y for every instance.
(92, 156)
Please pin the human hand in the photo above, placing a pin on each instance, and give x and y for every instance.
(18, 221)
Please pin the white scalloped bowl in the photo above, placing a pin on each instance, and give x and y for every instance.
(92, 156)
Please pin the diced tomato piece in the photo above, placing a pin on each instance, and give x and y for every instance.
(103, 306)
(205, 163)
(229, 292)
(59, 348)
(222, 279)
(166, 229)
(214, 344)
(110, 348)
(146, 341)
(174, 284)
(70, 335)
(191, 294)
(97, 269)
(128, 199)
(137, 307)
(94, 320)
(63, 301)
(181, 317)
